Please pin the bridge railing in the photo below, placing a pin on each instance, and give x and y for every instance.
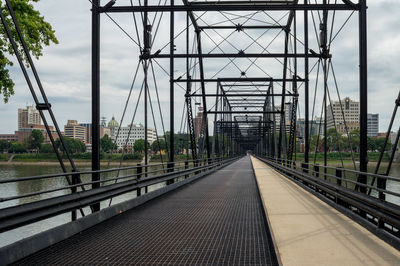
(116, 183)
(377, 204)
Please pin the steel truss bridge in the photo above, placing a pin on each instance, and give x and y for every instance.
(255, 68)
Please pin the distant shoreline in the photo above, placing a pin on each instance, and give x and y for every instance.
(77, 162)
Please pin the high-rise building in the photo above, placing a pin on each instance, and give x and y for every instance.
(198, 122)
(373, 125)
(288, 115)
(73, 130)
(28, 116)
(345, 111)
(316, 127)
(88, 131)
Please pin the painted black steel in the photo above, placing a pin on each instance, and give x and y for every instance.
(95, 97)
(220, 7)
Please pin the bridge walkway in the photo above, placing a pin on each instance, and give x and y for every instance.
(218, 219)
(307, 231)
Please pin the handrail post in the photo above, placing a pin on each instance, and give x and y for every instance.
(75, 180)
(381, 184)
(139, 171)
(186, 167)
(339, 176)
(304, 167)
(316, 170)
(170, 167)
(339, 173)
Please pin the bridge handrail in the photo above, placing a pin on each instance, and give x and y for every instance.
(4, 199)
(16, 216)
(373, 210)
(38, 177)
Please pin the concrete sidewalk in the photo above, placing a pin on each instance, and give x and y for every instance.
(307, 231)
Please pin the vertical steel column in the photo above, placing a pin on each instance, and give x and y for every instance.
(295, 88)
(324, 43)
(363, 92)
(171, 87)
(282, 127)
(275, 148)
(95, 97)
(146, 85)
(306, 89)
(203, 91)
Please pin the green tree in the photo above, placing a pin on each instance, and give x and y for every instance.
(313, 143)
(35, 139)
(16, 147)
(46, 148)
(355, 139)
(371, 144)
(380, 142)
(139, 145)
(157, 145)
(107, 144)
(72, 145)
(4, 145)
(36, 31)
(333, 139)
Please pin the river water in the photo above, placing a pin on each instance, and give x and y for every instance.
(9, 171)
(12, 189)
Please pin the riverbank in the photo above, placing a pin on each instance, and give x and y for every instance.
(77, 162)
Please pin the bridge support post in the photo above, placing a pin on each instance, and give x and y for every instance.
(363, 93)
(170, 167)
(75, 180)
(381, 184)
(316, 170)
(304, 167)
(139, 171)
(95, 97)
(186, 167)
(339, 173)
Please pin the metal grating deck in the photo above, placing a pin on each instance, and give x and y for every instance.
(215, 220)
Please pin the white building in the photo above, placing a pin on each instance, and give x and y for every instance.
(349, 112)
(373, 125)
(129, 134)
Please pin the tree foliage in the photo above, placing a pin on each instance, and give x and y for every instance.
(139, 145)
(72, 145)
(16, 147)
(35, 139)
(4, 145)
(158, 145)
(36, 32)
(46, 148)
(107, 144)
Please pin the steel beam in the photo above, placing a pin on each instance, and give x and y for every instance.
(242, 95)
(171, 88)
(306, 90)
(95, 98)
(240, 80)
(222, 7)
(239, 27)
(363, 93)
(244, 112)
(232, 55)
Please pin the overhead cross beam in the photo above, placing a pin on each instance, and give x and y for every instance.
(205, 6)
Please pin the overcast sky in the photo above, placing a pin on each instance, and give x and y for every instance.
(65, 69)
